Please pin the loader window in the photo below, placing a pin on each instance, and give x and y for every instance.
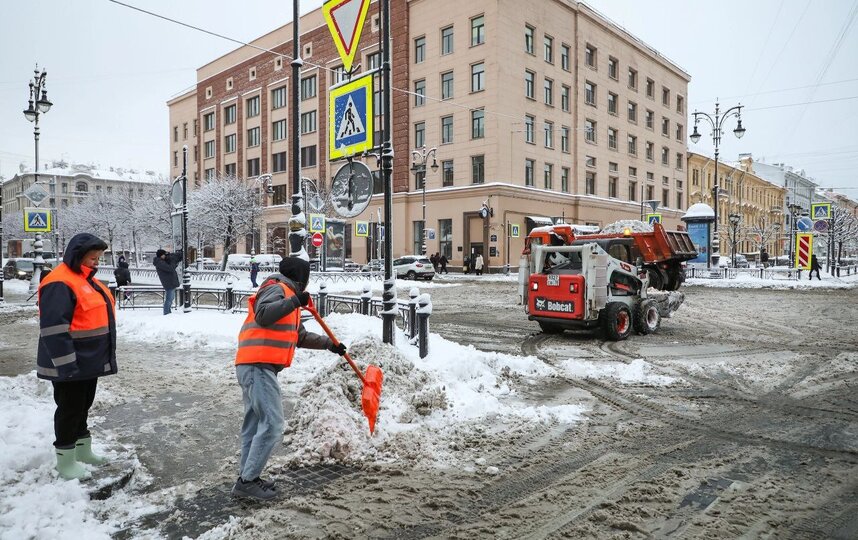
(624, 284)
(621, 252)
(566, 263)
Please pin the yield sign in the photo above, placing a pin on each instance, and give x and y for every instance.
(345, 20)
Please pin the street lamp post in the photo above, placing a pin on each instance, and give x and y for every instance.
(734, 230)
(37, 105)
(794, 212)
(419, 158)
(717, 123)
(265, 180)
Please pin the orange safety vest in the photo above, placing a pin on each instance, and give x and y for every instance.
(273, 344)
(89, 318)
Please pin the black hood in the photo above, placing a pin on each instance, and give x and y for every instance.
(297, 270)
(78, 246)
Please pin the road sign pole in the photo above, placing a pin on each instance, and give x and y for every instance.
(186, 273)
(388, 296)
(297, 223)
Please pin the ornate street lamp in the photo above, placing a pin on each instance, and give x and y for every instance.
(37, 104)
(716, 121)
(734, 223)
(419, 158)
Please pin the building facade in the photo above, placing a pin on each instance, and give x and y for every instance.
(67, 184)
(550, 112)
(758, 203)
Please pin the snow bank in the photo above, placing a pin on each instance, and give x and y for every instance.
(745, 281)
(619, 226)
(638, 371)
(34, 502)
(16, 286)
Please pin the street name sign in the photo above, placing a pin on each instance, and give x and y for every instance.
(362, 228)
(820, 210)
(350, 117)
(37, 220)
(345, 20)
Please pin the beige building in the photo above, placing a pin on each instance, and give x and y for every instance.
(547, 112)
(756, 201)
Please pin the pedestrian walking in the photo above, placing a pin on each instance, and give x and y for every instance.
(266, 345)
(77, 345)
(166, 263)
(254, 271)
(764, 258)
(814, 266)
(466, 265)
(434, 260)
(478, 265)
(443, 262)
(122, 274)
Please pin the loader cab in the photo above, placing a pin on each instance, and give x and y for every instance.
(623, 249)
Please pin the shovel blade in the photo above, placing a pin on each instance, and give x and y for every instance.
(371, 396)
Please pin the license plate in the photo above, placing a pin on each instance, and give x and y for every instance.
(553, 279)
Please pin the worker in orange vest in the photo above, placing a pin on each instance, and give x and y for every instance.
(266, 344)
(77, 345)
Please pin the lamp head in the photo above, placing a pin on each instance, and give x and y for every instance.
(695, 136)
(739, 131)
(43, 103)
(434, 164)
(30, 112)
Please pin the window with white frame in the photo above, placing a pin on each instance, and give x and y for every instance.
(419, 50)
(548, 49)
(590, 131)
(478, 30)
(565, 52)
(529, 81)
(529, 33)
(564, 179)
(564, 139)
(633, 145)
(612, 138)
(478, 124)
(549, 134)
(446, 40)
(564, 98)
(529, 123)
(549, 92)
(447, 85)
(278, 97)
(612, 103)
(253, 137)
(478, 77)
(229, 143)
(529, 164)
(419, 134)
(209, 149)
(548, 176)
(590, 55)
(478, 169)
(447, 129)
(589, 93)
(308, 87)
(420, 93)
(253, 106)
(308, 122)
(590, 182)
(278, 130)
(229, 115)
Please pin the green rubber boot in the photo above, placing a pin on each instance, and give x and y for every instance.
(68, 468)
(83, 452)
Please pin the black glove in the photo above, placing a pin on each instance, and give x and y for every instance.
(339, 348)
(304, 298)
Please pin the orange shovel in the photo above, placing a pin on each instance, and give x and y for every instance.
(371, 381)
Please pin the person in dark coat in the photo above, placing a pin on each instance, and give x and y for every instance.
(443, 262)
(764, 258)
(77, 345)
(814, 266)
(122, 275)
(254, 271)
(166, 263)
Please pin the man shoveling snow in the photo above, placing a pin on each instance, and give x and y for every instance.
(266, 345)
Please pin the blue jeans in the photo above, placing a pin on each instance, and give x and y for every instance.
(262, 428)
(169, 296)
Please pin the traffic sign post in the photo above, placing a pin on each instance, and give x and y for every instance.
(803, 250)
(350, 117)
(345, 19)
(37, 220)
(653, 218)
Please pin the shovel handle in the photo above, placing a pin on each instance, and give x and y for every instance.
(336, 341)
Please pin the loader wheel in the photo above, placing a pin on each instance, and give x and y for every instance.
(616, 321)
(548, 328)
(675, 278)
(647, 317)
(656, 280)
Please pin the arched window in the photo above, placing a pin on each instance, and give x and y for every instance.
(81, 187)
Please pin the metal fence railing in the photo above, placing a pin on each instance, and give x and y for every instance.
(771, 272)
(413, 315)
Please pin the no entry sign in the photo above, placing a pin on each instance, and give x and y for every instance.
(317, 240)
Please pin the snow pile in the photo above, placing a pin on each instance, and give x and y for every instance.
(34, 502)
(199, 329)
(638, 371)
(668, 302)
(747, 281)
(16, 286)
(619, 226)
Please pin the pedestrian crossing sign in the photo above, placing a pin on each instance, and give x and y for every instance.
(653, 218)
(350, 118)
(317, 223)
(362, 228)
(820, 211)
(37, 220)
(514, 230)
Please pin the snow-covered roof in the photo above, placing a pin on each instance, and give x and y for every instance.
(699, 210)
(112, 174)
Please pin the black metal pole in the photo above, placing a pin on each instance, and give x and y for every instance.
(186, 273)
(2, 298)
(388, 296)
(297, 223)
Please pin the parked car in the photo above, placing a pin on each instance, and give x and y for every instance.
(414, 267)
(741, 261)
(21, 268)
(375, 265)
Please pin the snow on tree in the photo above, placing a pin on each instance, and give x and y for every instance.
(762, 232)
(222, 210)
(842, 230)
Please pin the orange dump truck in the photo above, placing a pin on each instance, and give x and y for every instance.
(662, 252)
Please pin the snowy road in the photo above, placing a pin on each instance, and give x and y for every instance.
(738, 418)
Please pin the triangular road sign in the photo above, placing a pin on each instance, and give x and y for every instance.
(345, 20)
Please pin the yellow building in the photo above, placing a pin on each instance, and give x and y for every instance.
(755, 205)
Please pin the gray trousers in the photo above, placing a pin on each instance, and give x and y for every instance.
(262, 428)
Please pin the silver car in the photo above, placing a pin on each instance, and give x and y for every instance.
(414, 267)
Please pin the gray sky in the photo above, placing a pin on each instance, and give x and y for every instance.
(111, 70)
